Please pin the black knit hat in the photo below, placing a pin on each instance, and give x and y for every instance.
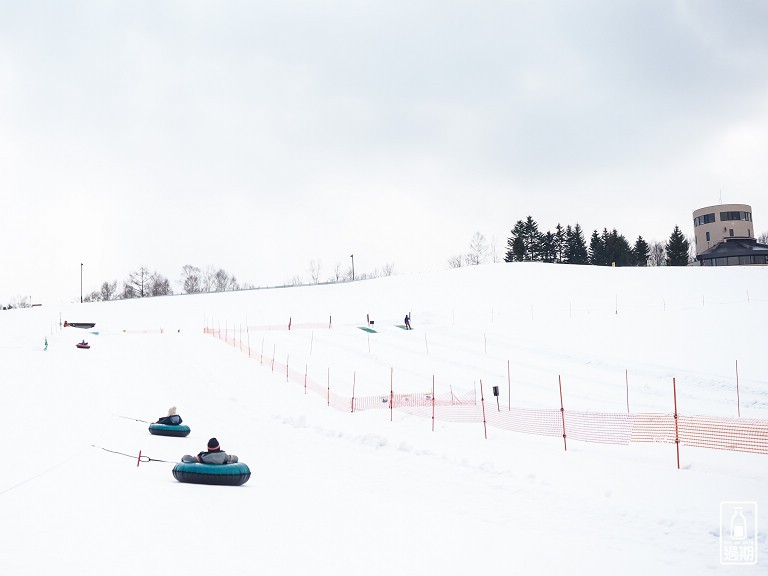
(213, 444)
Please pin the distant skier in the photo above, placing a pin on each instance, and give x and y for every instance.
(46, 343)
(408, 322)
(172, 419)
(214, 455)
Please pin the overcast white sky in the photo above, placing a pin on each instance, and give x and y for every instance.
(258, 136)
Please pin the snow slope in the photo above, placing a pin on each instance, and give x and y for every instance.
(374, 492)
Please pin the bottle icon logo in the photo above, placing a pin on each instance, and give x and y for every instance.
(738, 533)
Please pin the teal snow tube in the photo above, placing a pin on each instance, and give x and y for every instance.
(179, 430)
(235, 474)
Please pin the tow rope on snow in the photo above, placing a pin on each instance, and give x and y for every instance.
(43, 472)
(134, 419)
(139, 459)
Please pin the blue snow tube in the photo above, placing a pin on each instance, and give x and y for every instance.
(235, 474)
(169, 429)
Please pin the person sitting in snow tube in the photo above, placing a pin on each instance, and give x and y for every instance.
(212, 467)
(169, 425)
(172, 419)
(214, 455)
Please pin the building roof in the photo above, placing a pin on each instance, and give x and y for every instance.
(734, 247)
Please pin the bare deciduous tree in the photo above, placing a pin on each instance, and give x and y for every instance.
(94, 296)
(456, 261)
(657, 256)
(191, 279)
(314, 271)
(478, 250)
(763, 238)
(388, 269)
(691, 249)
(137, 284)
(220, 280)
(108, 291)
(159, 285)
(338, 275)
(494, 251)
(21, 302)
(208, 280)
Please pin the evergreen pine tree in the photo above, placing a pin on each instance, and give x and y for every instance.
(641, 252)
(578, 247)
(548, 248)
(677, 249)
(532, 239)
(617, 250)
(597, 249)
(568, 245)
(559, 237)
(516, 244)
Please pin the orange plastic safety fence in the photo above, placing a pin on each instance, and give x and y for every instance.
(736, 434)
(720, 433)
(649, 427)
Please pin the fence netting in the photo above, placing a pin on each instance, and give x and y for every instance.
(719, 433)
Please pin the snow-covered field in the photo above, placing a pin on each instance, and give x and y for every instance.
(334, 492)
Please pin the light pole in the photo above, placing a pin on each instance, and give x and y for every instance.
(81, 282)
(353, 266)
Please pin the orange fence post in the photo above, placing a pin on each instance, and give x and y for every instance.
(562, 410)
(433, 402)
(677, 433)
(391, 392)
(138, 460)
(482, 402)
(626, 380)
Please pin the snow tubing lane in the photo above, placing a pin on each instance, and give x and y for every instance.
(235, 474)
(169, 430)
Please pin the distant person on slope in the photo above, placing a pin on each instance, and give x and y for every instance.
(172, 419)
(214, 455)
(408, 322)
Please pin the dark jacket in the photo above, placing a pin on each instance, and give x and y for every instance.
(173, 420)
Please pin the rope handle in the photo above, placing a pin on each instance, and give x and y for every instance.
(140, 458)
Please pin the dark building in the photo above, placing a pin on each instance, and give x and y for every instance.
(735, 252)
